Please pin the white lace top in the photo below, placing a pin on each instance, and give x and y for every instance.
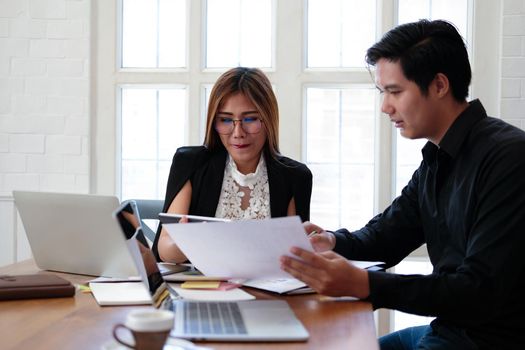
(244, 196)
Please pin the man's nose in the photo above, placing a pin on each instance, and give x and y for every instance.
(386, 106)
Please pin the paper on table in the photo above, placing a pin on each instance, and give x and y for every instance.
(201, 285)
(123, 293)
(366, 264)
(294, 286)
(276, 285)
(240, 249)
(235, 294)
(181, 277)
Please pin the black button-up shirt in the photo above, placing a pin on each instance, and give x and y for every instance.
(466, 201)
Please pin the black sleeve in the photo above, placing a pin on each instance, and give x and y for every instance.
(184, 163)
(302, 192)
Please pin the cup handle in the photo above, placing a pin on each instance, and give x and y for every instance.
(115, 335)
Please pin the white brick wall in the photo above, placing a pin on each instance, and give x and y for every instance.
(513, 63)
(44, 95)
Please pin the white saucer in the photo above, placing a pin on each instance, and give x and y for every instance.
(171, 344)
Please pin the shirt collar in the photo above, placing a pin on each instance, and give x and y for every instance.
(457, 133)
(461, 127)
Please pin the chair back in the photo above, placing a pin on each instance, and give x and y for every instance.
(149, 209)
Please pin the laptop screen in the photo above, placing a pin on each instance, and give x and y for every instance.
(128, 218)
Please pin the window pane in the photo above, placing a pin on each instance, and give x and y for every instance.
(239, 32)
(339, 32)
(207, 91)
(407, 267)
(139, 123)
(408, 158)
(153, 33)
(153, 127)
(408, 154)
(412, 10)
(340, 129)
(455, 11)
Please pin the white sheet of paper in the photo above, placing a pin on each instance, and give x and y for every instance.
(121, 293)
(240, 249)
(365, 264)
(276, 285)
(235, 294)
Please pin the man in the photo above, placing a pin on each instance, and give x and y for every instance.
(466, 201)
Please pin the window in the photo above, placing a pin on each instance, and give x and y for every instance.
(340, 129)
(340, 122)
(153, 124)
(153, 33)
(339, 32)
(239, 33)
(151, 88)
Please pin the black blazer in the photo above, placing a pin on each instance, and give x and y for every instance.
(287, 178)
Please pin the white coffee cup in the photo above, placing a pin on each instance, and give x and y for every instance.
(149, 327)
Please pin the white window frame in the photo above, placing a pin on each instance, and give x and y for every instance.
(289, 75)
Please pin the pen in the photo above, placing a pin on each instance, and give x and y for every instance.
(312, 233)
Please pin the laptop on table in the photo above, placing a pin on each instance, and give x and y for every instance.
(258, 320)
(74, 233)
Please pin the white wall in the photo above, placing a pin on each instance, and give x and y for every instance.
(513, 63)
(44, 100)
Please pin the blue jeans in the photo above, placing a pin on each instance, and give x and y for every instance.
(426, 337)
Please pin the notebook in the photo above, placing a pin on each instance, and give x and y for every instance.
(257, 320)
(34, 286)
(74, 233)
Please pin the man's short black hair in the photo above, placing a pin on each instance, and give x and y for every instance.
(424, 49)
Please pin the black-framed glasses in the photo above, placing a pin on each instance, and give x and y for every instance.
(225, 125)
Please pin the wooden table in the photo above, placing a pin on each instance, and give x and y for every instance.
(79, 323)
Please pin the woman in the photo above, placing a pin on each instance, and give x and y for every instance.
(238, 173)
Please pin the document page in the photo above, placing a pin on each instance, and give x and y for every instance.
(235, 294)
(122, 293)
(276, 285)
(240, 249)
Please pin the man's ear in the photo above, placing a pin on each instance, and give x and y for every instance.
(441, 85)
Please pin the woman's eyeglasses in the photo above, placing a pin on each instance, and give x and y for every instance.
(225, 125)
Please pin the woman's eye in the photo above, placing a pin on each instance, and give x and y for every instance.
(249, 119)
(226, 120)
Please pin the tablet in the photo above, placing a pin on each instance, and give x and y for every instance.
(171, 218)
(169, 268)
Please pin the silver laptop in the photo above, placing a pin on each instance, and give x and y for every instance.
(74, 233)
(258, 320)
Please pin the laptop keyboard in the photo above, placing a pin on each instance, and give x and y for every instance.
(213, 318)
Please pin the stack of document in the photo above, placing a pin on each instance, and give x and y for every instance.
(246, 251)
(292, 286)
